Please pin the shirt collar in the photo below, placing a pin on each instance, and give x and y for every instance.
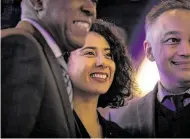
(162, 92)
(49, 39)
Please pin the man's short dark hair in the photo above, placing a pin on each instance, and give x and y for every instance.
(162, 7)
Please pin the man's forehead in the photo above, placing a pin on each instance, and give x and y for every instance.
(173, 14)
(172, 21)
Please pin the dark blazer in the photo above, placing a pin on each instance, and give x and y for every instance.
(34, 101)
(109, 129)
(138, 116)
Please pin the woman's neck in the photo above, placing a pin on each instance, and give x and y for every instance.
(85, 106)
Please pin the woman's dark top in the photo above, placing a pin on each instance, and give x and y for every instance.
(110, 129)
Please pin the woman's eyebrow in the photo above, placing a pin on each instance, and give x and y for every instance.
(88, 47)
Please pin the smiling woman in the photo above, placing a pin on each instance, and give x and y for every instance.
(92, 68)
(101, 75)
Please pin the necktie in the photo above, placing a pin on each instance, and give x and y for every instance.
(178, 100)
(65, 75)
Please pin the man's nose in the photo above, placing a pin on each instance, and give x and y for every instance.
(89, 8)
(184, 50)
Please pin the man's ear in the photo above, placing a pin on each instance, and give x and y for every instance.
(37, 4)
(148, 50)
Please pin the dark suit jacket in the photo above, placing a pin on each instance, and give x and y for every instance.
(109, 129)
(137, 116)
(34, 100)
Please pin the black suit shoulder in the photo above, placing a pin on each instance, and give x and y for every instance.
(22, 82)
(34, 100)
(113, 130)
(116, 131)
(14, 41)
(14, 32)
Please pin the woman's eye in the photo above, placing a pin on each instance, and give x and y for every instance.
(109, 55)
(89, 53)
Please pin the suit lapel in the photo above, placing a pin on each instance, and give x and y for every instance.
(56, 71)
(146, 113)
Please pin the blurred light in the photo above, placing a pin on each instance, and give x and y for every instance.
(147, 76)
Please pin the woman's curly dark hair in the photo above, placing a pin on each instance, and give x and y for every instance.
(122, 83)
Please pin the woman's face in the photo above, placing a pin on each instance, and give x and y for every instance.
(92, 68)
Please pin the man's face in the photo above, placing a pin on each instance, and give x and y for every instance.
(68, 21)
(92, 68)
(170, 47)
